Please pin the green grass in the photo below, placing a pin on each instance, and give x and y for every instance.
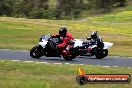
(117, 17)
(36, 75)
(122, 14)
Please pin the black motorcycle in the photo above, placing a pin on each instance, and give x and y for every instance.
(47, 47)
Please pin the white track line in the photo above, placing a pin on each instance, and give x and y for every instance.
(57, 63)
(15, 60)
(64, 63)
(28, 61)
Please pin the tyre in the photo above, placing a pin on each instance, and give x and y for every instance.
(101, 54)
(35, 52)
(105, 52)
(69, 57)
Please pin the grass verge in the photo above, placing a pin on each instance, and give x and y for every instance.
(37, 75)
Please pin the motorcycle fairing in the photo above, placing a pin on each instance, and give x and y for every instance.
(79, 42)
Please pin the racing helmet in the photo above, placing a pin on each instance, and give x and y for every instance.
(94, 35)
(63, 31)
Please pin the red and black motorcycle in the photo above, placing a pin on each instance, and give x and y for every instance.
(47, 47)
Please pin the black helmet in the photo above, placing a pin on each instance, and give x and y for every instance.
(63, 31)
(94, 34)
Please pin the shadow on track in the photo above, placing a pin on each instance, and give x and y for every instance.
(94, 58)
(53, 59)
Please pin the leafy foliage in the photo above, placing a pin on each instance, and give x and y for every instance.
(55, 9)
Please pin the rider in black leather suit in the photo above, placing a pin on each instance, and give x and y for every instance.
(96, 40)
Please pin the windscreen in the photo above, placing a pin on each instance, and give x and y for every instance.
(44, 38)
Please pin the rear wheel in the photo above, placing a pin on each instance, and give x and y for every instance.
(105, 52)
(101, 54)
(69, 57)
(98, 56)
(35, 52)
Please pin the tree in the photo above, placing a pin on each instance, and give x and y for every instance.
(68, 7)
(105, 5)
(61, 9)
(6, 7)
(122, 3)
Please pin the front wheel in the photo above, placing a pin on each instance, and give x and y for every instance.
(35, 52)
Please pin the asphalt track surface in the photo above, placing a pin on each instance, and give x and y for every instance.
(23, 55)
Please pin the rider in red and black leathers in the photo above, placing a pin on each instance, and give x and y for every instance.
(65, 39)
(64, 36)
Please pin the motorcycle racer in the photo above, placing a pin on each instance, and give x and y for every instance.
(64, 36)
(60, 45)
(95, 39)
